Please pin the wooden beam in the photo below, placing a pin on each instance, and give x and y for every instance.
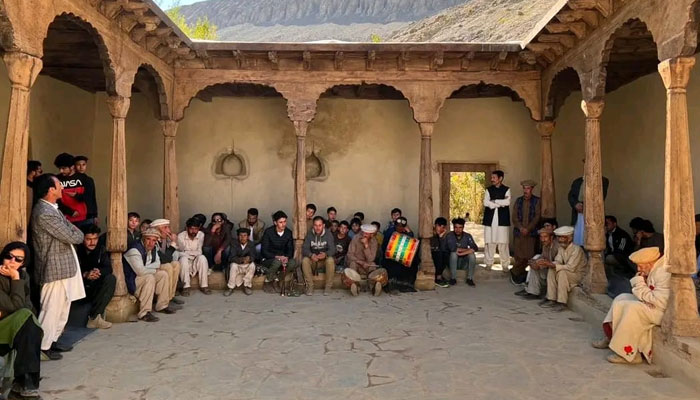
(338, 60)
(437, 60)
(371, 57)
(497, 59)
(580, 29)
(152, 42)
(567, 40)
(557, 27)
(467, 60)
(127, 22)
(240, 58)
(605, 7)
(274, 59)
(401, 60)
(588, 16)
(306, 57)
(110, 8)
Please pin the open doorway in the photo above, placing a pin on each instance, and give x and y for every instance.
(462, 187)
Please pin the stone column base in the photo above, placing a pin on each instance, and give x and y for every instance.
(121, 308)
(425, 282)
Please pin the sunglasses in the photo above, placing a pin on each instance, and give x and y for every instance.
(216, 221)
(19, 259)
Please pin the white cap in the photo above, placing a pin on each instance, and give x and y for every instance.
(564, 231)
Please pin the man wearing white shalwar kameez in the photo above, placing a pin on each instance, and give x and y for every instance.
(628, 325)
(57, 267)
(192, 261)
(497, 221)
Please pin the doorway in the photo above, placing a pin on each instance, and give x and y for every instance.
(462, 187)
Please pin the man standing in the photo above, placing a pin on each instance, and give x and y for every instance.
(526, 216)
(439, 251)
(75, 190)
(278, 252)
(539, 266)
(462, 248)
(254, 226)
(144, 278)
(497, 221)
(318, 250)
(168, 255)
(242, 263)
(566, 271)
(33, 171)
(99, 282)
(90, 196)
(56, 264)
(342, 243)
(576, 199)
(192, 261)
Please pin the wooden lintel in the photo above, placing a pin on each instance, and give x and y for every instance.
(338, 60)
(467, 60)
(240, 58)
(371, 57)
(437, 60)
(401, 60)
(306, 57)
(274, 59)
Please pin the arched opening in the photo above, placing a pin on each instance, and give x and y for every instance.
(630, 53)
(232, 145)
(564, 83)
(365, 140)
(148, 83)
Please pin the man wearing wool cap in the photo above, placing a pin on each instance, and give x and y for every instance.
(566, 271)
(628, 325)
(361, 254)
(168, 254)
(525, 217)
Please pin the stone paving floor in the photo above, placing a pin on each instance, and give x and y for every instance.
(456, 343)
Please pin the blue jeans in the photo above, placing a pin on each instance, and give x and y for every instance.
(456, 261)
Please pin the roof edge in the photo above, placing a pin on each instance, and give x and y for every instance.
(357, 46)
(554, 10)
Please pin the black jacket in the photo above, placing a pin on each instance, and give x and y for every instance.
(15, 294)
(622, 243)
(273, 244)
(237, 254)
(98, 258)
(574, 192)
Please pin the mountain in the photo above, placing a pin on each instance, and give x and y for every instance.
(309, 20)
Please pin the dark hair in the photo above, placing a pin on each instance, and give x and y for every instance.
(458, 221)
(79, 158)
(552, 221)
(647, 226)
(63, 160)
(396, 210)
(345, 223)
(498, 173)
(441, 221)
(42, 184)
(253, 211)
(200, 218)
(14, 246)
(279, 214)
(90, 229)
(359, 215)
(311, 206)
(146, 221)
(318, 217)
(636, 223)
(331, 209)
(220, 214)
(355, 221)
(611, 218)
(192, 222)
(242, 230)
(33, 165)
(335, 222)
(697, 217)
(377, 224)
(133, 215)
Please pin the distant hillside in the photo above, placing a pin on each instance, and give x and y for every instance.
(309, 20)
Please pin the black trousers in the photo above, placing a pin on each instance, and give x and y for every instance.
(441, 259)
(27, 344)
(99, 293)
(400, 272)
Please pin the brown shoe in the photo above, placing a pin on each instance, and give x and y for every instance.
(228, 292)
(166, 310)
(205, 290)
(149, 318)
(247, 290)
(185, 292)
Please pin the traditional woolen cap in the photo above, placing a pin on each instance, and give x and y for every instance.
(528, 182)
(368, 228)
(564, 231)
(545, 230)
(151, 232)
(646, 255)
(160, 222)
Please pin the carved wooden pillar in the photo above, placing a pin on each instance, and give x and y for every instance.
(681, 317)
(171, 206)
(119, 308)
(549, 205)
(594, 214)
(425, 198)
(22, 70)
(300, 129)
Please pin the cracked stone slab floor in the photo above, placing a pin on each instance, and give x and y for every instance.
(455, 343)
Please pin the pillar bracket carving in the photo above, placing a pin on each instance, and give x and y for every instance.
(118, 106)
(22, 69)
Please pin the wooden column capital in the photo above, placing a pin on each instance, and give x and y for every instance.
(301, 127)
(22, 69)
(301, 110)
(426, 129)
(546, 129)
(675, 72)
(593, 109)
(169, 127)
(118, 106)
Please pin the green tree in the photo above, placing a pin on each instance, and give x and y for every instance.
(467, 195)
(202, 29)
(374, 38)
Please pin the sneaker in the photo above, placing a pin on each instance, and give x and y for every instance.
(616, 359)
(309, 290)
(442, 283)
(521, 293)
(166, 310)
(228, 292)
(47, 355)
(98, 323)
(470, 282)
(205, 290)
(61, 348)
(377, 288)
(247, 291)
(453, 282)
(559, 307)
(602, 343)
(354, 289)
(184, 293)
(177, 301)
(25, 393)
(546, 303)
(149, 318)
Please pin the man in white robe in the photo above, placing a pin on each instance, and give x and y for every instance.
(497, 221)
(628, 325)
(192, 261)
(565, 272)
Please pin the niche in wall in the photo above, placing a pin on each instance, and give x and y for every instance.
(231, 163)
